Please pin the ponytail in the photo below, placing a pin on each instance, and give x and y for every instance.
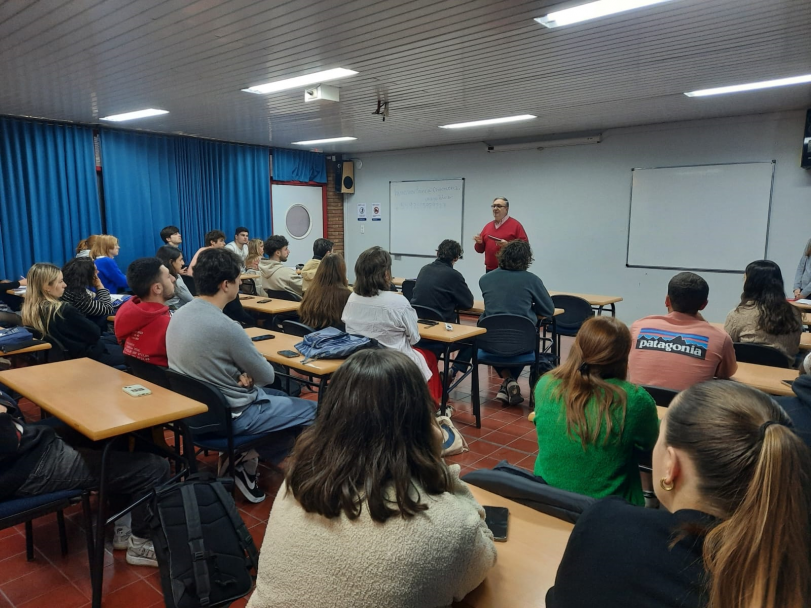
(753, 470)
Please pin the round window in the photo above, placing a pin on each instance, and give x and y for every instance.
(298, 222)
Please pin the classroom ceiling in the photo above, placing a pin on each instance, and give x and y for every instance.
(435, 62)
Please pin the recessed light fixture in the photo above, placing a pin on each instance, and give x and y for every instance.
(300, 81)
(323, 141)
(489, 121)
(134, 115)
(592, 10)
(752, 86)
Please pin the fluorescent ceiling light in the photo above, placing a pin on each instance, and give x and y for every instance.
(489, 121)
(134, 115)
(323, 141)
(300, 81)
(752, 86)
(592, 10)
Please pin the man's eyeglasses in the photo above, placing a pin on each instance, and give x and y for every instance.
(497, 206)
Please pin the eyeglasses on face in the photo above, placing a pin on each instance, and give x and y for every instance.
(497, 206)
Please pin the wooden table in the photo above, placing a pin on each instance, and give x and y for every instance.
(274, 307)
(88, 396)
(527, 562)
(800, 305)
(598, 303)
(478, 309)
(766, 378)
(247, 276)
(397, 281)
(807, 318)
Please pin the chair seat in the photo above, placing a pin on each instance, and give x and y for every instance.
(16, 506)
(220, 444)
(486, 358)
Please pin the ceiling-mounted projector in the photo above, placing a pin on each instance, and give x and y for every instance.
(322, 93)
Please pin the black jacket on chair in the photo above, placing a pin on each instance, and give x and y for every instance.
(799, 407)
(441, 287)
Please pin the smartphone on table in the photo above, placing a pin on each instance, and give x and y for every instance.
(497, 519)
(261, 338)
(427, 322)
(289, 353)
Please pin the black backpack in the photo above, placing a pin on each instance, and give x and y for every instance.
(204, 551)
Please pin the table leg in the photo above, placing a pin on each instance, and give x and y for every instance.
(474, 385)
(613, 310)
(444, 400)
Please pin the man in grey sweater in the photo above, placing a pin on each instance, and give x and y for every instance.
(202, 342)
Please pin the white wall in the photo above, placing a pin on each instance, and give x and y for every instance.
(574, 201)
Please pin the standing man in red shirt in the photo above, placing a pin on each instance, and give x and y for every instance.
(500, 231)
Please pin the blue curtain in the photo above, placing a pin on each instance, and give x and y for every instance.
(140, 190)
(48, 195)
(222, 186)
(299, 166)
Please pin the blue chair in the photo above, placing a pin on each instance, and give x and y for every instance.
(576, 312)
(25, 510)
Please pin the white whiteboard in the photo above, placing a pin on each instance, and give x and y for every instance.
(425, 213)
(710, 217)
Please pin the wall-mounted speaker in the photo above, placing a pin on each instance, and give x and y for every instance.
(348, 177)
(805, 161)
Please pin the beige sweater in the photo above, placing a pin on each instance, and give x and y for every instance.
(742, 323)
(436, 557)
(308, 273)
(277, 276)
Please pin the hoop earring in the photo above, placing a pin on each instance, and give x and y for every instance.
(666, 486)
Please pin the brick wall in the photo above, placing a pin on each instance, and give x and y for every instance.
(335, 211)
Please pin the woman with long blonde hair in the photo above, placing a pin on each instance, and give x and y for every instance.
(733, 478)
(105, 248)
(62, 324)
(591, 422)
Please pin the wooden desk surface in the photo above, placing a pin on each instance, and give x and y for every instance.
(88, 396)
(245, 276)
(807, 318)
(274, 307)
(527, 562)
(478, 308)
(270, 351)
(766, 378)
(397, 281)
(438, 333)
(800, 305)
(591, 298)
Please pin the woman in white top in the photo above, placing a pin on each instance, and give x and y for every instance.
(375, 312)
(369, 515)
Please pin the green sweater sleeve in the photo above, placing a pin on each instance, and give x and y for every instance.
(644, 418)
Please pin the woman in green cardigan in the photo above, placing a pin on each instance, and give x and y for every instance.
(591, 422)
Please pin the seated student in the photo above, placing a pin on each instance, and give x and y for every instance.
(85, 247)
(105, 248)
(443, 288)
(214, 239)
(323, 303)
(369, 514)
(321, 248)
(375, 312)
(256, 247)
(171, 236)
(142, 320)
(275, 275)
(764, 316)
(61, 323)
(680, 349)
(590, 421)
(240, 244)
(799, 407)
(9, 303)
(34, 460)
(80, 275)
(734, 530)
(511, 289)
(172, 258)
(204, 343)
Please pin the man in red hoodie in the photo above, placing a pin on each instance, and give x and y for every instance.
(141, 322)
(498, 233)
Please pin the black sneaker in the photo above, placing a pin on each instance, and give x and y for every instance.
(502, 394)
(247, 485)
(514, 391)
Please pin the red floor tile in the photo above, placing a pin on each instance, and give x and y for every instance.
(4, 603)
(16, 566)
(258, 533)
(487, 462)
(33, 585)
(62, 596)
(117, 575)
(465, 458)
(508, 454)
(499, 438)
(517, 429)
(139, 593)
(527, 463)
(529, 446)
(12, 545)
(482, 447)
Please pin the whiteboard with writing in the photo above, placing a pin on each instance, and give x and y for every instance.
(425, 213)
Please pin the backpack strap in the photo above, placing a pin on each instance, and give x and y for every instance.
(196, 543)
(245, 538)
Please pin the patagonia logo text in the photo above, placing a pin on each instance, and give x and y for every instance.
(672, 342)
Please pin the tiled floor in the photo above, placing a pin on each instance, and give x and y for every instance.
(63, 582)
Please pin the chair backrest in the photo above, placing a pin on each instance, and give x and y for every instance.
(576, 312)
(760, 354)
(156, 374)
(188, 281)
(294, 328)
(282, 294)
(661, 396)
(508, 335)
(523, 487)
(217, 419)
(408, 288)
(427, 313)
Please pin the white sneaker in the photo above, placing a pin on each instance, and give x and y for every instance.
(121, 538)
(141, 552)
